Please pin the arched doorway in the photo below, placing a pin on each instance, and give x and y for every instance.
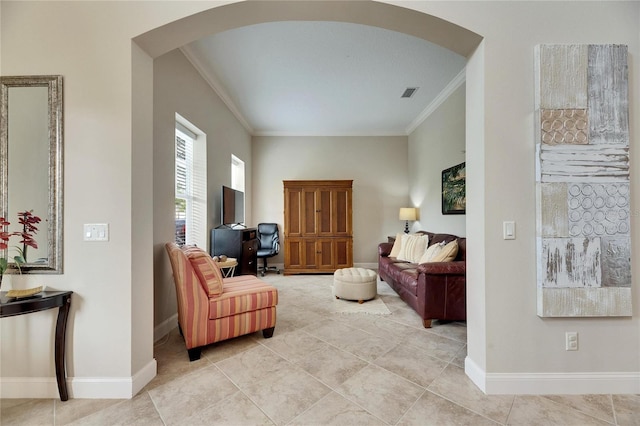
(436, 30)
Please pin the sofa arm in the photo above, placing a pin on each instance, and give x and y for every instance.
(443, 268)
(384, 249)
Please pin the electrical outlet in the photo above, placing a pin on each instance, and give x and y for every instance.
(571, 343)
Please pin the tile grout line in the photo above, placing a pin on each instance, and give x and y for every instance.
(469, 409)
(412, 405)
(583, 412)
(331, 388)
(155, 407)
(243, 392)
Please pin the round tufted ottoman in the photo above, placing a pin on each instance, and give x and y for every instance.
(355, 284)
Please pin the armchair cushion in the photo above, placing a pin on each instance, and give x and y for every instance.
(206, 269)
(239, 296)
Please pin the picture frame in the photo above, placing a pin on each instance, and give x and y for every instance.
(454, 200)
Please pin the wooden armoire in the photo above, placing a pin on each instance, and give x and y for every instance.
(318, 231)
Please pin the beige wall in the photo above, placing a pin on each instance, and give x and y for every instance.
(377, 165)
(178, 88)
(108, 169)
(438, 143)
(108, 179)
(516, 340)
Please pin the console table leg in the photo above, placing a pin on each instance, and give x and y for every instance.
(60, 344)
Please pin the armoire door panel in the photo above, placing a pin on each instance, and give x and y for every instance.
(310, 253)
(325, 254)
(293, 210)
(325, 212)
(293, 253)
(343, 253)
(342, 213)
(309, 213)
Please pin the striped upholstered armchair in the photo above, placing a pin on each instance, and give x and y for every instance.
(212, 308)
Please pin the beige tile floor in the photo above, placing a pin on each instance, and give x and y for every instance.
(325, 368)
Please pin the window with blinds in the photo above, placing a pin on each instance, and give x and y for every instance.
(190, 187)
(237, 173)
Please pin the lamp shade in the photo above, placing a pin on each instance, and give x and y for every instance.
(408, 213)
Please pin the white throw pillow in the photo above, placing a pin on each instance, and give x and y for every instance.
(431, 253)
(413, 247)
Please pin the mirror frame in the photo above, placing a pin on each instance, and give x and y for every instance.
(56, 150)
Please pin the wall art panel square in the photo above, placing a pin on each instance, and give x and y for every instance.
(582, 181)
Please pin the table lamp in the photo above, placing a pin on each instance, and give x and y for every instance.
(407, 214)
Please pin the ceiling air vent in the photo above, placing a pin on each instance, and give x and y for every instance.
(409, 91)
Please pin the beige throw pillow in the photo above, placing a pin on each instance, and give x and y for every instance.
(413, 247)
(397, 244)
(448, 252)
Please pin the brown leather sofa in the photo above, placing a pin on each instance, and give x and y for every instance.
(434, 290)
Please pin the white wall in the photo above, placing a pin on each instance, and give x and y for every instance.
(89, 43)
(178, 88)
(377, 165)
(437, 144)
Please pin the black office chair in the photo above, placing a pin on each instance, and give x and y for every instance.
(269, 245)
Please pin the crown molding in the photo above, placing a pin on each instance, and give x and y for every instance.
(456, 82)
(217, 86)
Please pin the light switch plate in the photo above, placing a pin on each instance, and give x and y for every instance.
(96, 232)
(509, 230)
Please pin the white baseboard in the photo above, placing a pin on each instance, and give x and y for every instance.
(144, 376)
(552, 383)
(29, 387)
(79, 387)
(165, 327)
(475, 373)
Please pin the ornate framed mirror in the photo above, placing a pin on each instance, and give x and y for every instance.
(31, 158)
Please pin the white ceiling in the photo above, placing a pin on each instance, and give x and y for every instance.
(325, 78)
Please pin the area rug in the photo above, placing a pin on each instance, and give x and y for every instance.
(374, 306)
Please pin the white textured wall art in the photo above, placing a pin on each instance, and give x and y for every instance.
(582, 181)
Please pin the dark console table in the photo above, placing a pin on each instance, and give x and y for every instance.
(10, 307)
(241, 244)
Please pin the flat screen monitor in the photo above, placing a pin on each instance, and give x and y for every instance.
(232, 206)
